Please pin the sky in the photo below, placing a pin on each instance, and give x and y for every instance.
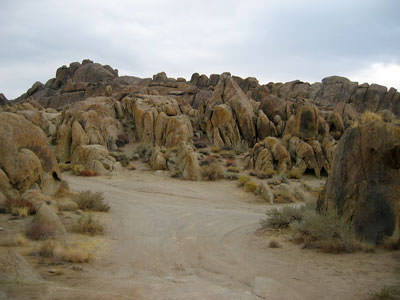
(275, 40)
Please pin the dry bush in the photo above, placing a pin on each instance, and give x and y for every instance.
(281, 218)
(266, 174)
(295, 173)
(64, 167)
(58, 252)
(40, 231)
(212, 172)
(285, 197)
(240, 148)
(77, 169)
(367, 117)
(251, 187)
(87, 200)
(327, 231)
(234, 169)
(274, 244)
(230, 162)
(89, 173)
(19, 207)
(243, 179)
(88, 225)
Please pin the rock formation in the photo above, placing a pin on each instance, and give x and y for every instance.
(25, 157)
(364, 182)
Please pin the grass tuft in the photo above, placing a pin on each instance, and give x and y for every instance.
(87, 200)
(88, 225)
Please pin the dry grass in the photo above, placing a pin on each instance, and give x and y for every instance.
(367, 117)
(233, 169)
(327, 231)
(295, 173)
(64, 167)
(266, 174)
(87, 200)
(58, 252)
(88, 225)
(243, 179)
(212, 172)
(77, 169)
(19, 207)
(251, 187)
(63, 190)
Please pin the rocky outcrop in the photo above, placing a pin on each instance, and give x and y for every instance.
(364, 182)
(95, 158)
(25, 157)
(14, 268)
(3, 99)
(234, 114)
(187, 162)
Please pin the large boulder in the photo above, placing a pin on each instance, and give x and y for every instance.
(95, 158)
(25, 157)
(364, 182)
(228, 92)
(3, 99)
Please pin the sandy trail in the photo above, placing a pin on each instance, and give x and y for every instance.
(174, 239)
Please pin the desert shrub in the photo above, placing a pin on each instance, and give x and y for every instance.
(274, 244)
(327, 231)
(227, 154)
(19, 207)
(77, 169)
(233, 169)
(87, 200)
(64, 167)
(285, 197)
(215, 149)
(58, 252)
(387, 293)
(212, 172)
(40, 231)
(89, 173)
(367, 117)
(295, 173)
(87, 225)
(144, 150)
(251, 187)
(243, 179)
(281, 218)
(176, 173)
(268, 173)
(240, 148)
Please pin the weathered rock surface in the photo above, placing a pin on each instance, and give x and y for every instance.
(365, 179)
(25, 157)
(14, 268)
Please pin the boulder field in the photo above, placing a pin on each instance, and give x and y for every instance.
(87, 114)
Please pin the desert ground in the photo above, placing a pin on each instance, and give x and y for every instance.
(173, 239)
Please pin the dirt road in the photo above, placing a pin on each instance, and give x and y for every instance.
(173, 239)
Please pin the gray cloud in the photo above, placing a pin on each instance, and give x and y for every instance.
(271, 40)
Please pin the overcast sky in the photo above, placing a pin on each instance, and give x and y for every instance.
(272, 40)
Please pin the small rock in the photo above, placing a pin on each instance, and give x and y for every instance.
(1, 228)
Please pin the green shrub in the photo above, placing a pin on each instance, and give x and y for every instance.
(87, 200)
(233, 169)
(88, 225)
